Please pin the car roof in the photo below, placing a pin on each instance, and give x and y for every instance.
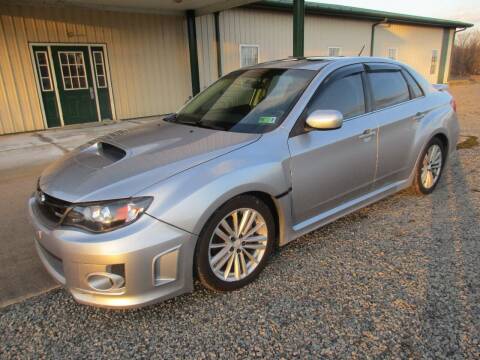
(316, 63)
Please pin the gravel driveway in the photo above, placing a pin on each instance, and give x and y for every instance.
(397, 279)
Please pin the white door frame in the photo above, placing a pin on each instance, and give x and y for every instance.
(92, 70)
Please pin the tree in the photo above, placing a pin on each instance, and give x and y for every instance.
(466, 54)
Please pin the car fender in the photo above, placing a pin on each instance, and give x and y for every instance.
(440, 120)
(187, 200)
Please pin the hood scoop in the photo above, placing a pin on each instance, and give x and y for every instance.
(111, 152)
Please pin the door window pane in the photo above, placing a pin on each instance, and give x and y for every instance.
(73, 70)
(99, 69)
(44, 71)
(248, 55)
(388, 87)
(345, 95)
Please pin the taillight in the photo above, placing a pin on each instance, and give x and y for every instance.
(453, 103)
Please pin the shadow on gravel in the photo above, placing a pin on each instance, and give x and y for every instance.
(451, 312)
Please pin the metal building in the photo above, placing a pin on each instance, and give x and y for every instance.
(78, 61)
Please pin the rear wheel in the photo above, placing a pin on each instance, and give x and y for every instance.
(430, 167)
(235, 244)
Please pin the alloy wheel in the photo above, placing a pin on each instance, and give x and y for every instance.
(238, 244)
(432, 166)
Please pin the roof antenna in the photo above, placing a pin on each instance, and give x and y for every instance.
(361, 51)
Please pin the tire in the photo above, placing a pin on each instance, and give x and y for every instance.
(217, 245)
(421, 185)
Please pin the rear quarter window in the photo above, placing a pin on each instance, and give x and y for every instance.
(415, 89)
(388, 88)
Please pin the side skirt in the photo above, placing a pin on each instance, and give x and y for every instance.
(331, 215)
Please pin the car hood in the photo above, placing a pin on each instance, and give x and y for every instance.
(123, 163)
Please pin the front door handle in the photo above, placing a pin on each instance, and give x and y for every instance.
(92, 93)
(367, 134)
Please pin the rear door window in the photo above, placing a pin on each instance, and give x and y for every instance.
(388, 88)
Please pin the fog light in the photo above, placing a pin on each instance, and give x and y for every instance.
(104, 281)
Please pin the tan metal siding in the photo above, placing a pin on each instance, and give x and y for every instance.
(414, 44)
(350, 35)
(148, 57)
(271, 30)
(207, 50)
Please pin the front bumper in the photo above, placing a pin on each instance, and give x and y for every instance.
(156, 257)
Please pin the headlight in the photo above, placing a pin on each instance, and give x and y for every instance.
(107, 215)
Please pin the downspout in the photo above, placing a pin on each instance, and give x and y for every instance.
(372, 39)
(192, 46)
(217, 40)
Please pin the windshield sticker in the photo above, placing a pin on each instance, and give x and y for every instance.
(266, 120)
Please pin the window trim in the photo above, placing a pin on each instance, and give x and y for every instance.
(297, 129)
(70, 74)
(40, 77)
(246, 46)
(335, 47)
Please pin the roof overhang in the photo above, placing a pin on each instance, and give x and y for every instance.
(361, 13)
(173, 7)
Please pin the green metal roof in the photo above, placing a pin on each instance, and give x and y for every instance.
(361, 13)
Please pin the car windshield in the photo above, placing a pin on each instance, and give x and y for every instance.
(249, 101)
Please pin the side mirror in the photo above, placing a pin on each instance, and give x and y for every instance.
(325, 120)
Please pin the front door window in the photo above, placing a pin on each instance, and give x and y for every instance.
(73, 70)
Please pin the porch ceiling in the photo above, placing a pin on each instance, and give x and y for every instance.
(201, 7)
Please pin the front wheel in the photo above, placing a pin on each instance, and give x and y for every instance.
(235, 244)
(430, 167)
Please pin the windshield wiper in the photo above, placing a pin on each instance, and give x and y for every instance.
(170, 117)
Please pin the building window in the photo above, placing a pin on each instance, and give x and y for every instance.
(392, 53)
(434, 62)
(334, 51)
(99, 69)
(248, 55)
(44, 71)
(73, 70)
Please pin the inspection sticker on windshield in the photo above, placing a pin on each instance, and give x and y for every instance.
(267, 120)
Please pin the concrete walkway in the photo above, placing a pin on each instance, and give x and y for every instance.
(22, 159)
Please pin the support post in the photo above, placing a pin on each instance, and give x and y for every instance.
(443, 56)
(192, 46)
(298, 27)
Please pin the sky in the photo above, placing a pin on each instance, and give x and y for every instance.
(462, 10)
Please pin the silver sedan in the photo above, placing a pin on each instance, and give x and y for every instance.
(259, 158)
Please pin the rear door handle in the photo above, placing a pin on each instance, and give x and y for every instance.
(367, 134)
(419, 116)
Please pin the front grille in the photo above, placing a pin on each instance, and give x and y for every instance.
(52, 208)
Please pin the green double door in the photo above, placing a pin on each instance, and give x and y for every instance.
(81, 93)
